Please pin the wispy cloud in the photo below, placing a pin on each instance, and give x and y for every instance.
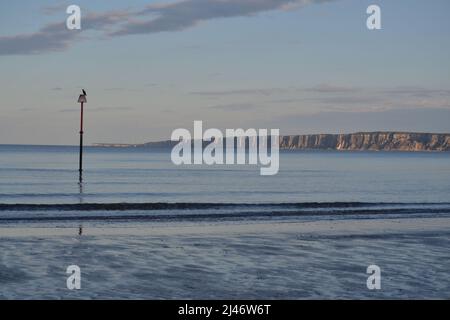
(320, 89)
(163, 17)
(235, 106)
(180, 15)
(416, 119)
(256, 91)
(56, 37)
(330, 88)
(110, 109)
(416, 91)
(331, 97)
(53, 9)
(53, 37)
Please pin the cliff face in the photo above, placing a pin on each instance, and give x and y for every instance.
(386, 141)
(377, 141)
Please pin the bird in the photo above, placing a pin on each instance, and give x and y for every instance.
(84, 92)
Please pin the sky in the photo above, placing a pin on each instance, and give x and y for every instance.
(149, 67)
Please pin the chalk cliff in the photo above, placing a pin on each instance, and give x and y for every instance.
(376, 141)
(385, 141)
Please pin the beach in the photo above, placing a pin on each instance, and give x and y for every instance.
(222, 150)
(265, 260)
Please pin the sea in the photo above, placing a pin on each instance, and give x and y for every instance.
(39, 184)
(195, 244)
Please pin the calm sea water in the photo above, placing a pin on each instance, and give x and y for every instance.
(342, 180)
(38, 187)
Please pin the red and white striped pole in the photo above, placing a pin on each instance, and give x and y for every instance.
(81, 100)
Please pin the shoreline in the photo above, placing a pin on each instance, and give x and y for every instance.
(351, 227)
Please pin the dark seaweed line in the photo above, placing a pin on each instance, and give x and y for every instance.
(193, 205)
(218, 216)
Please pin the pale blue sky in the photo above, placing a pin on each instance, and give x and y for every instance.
(307, 69)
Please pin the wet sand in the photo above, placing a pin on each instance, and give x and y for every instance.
(289, 260)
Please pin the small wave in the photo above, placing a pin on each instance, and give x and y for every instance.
(222, 216)
(205, 205)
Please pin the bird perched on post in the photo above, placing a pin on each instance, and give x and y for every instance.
(84, 92)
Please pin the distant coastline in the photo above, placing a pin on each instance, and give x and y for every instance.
(359, 141)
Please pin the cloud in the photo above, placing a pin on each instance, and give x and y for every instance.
(348, 100)
(329, 88)
(416, 92)
(109, 109)
(56, 36)
(105, 21)
(58, 8)
(262, 91)
(164, 17)
(320, 89)
(334, 98)
(235, 107)
(372, 99)
(53, 37)
(180, 15)
(417, 119)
